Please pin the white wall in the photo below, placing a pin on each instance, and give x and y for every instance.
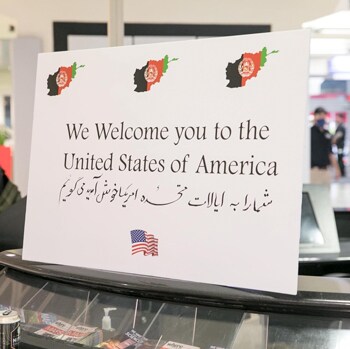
(35, 17)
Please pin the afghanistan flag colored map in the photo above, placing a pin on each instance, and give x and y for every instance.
(246, 67)
(61, 79)
(151, 73)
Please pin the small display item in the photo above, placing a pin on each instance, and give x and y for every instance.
(35, 317)
(106, 320)
(9, 329)
(129, 340)
(175, 345)
(66, 332)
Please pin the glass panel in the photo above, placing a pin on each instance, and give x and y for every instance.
(216, 328)
(56, 312)
(58, 315)
(42, 304)
(177, 326)
(294, 332)
(343, 334)
(252, 332)
(13, 293)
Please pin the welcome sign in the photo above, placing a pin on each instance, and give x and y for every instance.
(179, 160)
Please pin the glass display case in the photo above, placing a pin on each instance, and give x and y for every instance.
(68, 307)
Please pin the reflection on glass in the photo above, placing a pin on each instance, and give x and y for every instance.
(343, 337)
(310, 231)
(252, 332)
(54, 314)
(306, 332)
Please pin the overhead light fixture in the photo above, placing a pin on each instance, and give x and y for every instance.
(335, 24)
(330, 34)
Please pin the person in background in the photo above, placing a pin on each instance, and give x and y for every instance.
(322, 157)
(9, 193)
(339, 141)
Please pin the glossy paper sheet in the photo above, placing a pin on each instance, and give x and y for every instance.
(181, 160)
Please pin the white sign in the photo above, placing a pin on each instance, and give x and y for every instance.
(179, 160)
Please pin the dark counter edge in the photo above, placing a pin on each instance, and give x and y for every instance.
(168, 290)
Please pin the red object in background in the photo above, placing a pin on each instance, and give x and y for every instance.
(6, 160)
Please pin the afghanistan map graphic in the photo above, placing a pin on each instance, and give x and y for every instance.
(151, 73)
(61, 79)
(246, 67)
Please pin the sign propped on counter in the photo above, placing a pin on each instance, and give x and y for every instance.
(179, 160)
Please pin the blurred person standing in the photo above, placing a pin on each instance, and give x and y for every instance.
(339, 140)
(322, 158)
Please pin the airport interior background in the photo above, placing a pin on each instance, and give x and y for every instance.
(317, 317)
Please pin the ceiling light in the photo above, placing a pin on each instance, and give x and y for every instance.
(331, 23)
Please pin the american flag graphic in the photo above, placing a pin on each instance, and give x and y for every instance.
(141, 241)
